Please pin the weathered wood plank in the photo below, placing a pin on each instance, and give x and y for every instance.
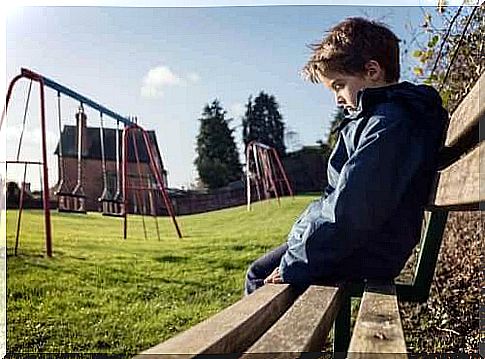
(459, 185)
(305, 326)
(468, 114)
(232, 330)
(378, 328)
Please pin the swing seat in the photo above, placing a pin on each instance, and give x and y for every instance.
(70, 194)
(111, 206)
(67, 207)
(113, 214)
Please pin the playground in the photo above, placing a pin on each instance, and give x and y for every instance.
(82, 278)
(100, 258)
(102, 294)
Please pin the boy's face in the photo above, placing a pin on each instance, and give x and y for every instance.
(345, 86)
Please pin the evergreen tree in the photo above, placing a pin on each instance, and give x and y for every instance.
(263, 122)
(334, 132)
(217, 158)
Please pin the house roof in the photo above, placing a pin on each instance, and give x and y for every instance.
(93, 144)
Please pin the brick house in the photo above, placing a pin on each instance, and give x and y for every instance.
(92, 171)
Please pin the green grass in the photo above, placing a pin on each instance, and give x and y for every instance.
(100, 293)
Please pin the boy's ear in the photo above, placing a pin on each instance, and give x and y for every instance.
(374, 71)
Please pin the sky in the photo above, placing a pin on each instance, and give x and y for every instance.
(164, 64)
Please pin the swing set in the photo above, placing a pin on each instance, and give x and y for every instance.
(73, 200)
(265, 172)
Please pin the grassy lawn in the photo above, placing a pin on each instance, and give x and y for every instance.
(100, 293)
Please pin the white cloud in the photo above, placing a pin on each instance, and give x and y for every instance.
(157, 79)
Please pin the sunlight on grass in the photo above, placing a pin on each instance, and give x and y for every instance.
(100, 293)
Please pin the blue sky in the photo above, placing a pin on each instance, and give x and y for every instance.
(164, 64)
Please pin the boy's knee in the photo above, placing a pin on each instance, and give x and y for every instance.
(252, 271)
(253, 278)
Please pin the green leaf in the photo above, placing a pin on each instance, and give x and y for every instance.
(418, 71)
(433, 41)
(417, 53)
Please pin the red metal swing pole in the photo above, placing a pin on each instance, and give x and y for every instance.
(274, 172)
(21, 207)
(152, 201)
(124, 180)
(260, 170)
(159, 179)
(265, 177)
(47, 213)
(47, 218)
(269, 170)
(282, 170)
(248, 178)
(137, 193)
(9, 94)
(258, 180)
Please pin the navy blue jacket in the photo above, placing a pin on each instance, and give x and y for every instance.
(379, 177)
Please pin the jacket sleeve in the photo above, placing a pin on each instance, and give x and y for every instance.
(371, 185)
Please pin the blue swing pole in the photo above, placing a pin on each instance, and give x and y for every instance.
(75, 95)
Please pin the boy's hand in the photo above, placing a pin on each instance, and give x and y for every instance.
(274, 277)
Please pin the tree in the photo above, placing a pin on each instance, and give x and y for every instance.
(263, 122)
(451, 59)
(13, 193)
(338, 117)
(217, 158)
(455, 44)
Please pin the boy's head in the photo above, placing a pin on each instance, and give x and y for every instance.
(356, 53)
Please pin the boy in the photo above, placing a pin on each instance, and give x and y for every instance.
(379, 173)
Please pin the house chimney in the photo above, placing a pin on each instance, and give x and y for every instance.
(81, 152)
(81, 118)
(81, 124)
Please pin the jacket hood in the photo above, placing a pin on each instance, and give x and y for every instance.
(419, 98)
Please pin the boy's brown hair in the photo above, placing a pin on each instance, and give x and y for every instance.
(350, 45)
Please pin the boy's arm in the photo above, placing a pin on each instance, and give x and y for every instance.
(370, 187)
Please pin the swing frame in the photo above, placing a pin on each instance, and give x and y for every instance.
(46, 82)
(45, 188)
(268, 166)
(156, 171)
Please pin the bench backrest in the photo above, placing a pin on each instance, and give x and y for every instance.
(457, 186)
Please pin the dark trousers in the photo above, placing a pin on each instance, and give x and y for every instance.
(263, 267)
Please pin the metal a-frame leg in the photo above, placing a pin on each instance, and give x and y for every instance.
(341, 329)
(428, 256)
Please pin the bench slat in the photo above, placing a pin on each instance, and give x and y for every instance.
(234, 329)
(468, 114)
(378, 327)
(459, 185)
(305, 326)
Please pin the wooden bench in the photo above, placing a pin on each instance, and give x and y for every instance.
(277, 322)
